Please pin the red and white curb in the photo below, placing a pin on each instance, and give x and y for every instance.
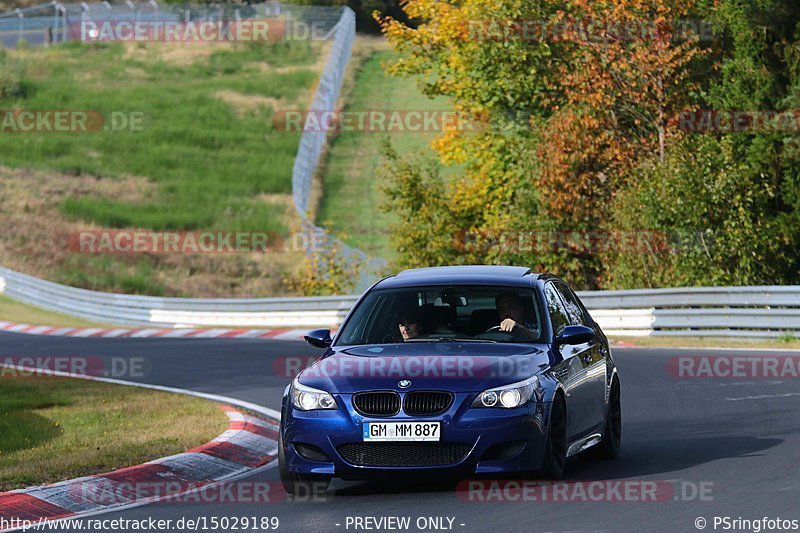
(139, 333)
(249, 443)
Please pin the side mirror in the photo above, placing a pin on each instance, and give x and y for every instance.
(319, 338)
(575, 335)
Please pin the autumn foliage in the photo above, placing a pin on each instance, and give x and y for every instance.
(584, 99)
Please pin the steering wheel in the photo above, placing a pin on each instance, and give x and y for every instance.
(493, 328)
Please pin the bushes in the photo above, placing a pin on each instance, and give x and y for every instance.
(717, 216)
(327, 270)
(10, 76)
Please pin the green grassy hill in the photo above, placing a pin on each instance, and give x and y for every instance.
(205, 157)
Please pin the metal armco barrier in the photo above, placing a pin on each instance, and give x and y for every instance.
(737, 312)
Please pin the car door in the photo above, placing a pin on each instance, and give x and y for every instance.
(567, 365)
(592, 357)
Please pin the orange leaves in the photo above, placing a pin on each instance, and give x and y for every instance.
(621, 85)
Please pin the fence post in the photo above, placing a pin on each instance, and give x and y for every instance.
(63, 10)
(21, 17)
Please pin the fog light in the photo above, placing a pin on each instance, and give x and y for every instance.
(310, 452)
(327, 402)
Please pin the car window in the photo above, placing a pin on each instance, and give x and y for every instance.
(556, 309)
(442, 312)
(574, 309)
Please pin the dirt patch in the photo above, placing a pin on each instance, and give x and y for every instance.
(242, 103)
(179, 54)
(35, 235)
(36, 240)
(321, 50)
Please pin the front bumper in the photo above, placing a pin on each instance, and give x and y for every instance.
(499, 441)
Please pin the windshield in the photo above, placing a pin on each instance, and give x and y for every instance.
(444, 314)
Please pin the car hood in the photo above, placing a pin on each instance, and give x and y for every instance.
(455, 367)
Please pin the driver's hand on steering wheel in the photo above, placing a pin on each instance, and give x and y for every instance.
(508, 324)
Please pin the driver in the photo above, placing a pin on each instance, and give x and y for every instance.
(511, 312)
(410, 324)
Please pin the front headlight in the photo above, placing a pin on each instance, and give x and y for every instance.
(308, 399)
(508, 396)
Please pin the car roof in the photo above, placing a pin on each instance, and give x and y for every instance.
(464, 275)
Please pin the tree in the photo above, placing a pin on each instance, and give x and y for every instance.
(573, 102)
(728, 200)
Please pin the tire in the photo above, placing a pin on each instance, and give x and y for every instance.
(555, 454)
(612, 433)
(299, 484)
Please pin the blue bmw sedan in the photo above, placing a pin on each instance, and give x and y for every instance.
(453, 372)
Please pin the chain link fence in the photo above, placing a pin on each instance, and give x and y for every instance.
(313, 145)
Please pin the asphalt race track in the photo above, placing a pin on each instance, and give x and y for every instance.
(729, 447)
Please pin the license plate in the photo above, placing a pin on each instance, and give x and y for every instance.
(402, 431)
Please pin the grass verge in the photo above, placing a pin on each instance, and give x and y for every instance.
(13, 311)
(53, 429)
(701, 342)
(351, 203)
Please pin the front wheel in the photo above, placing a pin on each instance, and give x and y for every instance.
(612, 436)
(555, 454)
(299, 484)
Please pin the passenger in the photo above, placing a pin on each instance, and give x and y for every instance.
(511, 312)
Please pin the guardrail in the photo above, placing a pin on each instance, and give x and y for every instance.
(103, 307)
(737, 312)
